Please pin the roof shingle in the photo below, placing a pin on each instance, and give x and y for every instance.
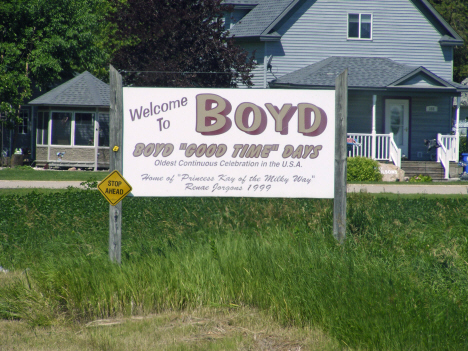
(363, 72)
(83, 90)
(257, 21)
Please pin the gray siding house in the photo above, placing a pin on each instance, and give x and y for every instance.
(399, 56)
(72, 124)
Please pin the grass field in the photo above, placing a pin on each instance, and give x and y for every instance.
(28, 173)
(398, 283)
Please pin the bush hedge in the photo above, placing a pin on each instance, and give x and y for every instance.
(363, 169)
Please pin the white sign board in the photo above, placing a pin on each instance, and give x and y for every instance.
(229, 142)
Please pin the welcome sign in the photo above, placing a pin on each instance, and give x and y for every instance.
(229, 142)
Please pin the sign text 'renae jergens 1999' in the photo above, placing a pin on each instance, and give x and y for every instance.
(229, 142)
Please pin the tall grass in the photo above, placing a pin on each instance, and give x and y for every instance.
(398, 283)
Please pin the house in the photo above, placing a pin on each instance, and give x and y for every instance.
(399, 56)
(23, 138)
(71, 124)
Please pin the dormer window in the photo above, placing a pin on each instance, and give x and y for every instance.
(231, 18)
(359, 26)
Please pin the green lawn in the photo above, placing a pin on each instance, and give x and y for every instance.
(28, 173)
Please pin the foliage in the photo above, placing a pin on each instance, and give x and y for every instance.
(23, 168)
(176, 36)
(42, 42)
(402, 268)
(90, 183)
(455, 12)
(420, 179)
(463, 145)
(363, 169)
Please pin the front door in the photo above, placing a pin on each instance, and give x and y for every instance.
(397, 122)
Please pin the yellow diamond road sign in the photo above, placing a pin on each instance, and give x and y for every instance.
(114, 188)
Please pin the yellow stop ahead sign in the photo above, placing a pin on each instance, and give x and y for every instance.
(114, 187)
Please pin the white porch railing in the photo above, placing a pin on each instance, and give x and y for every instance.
(450, 143)
(362, 147)
(384, 148)
(395, 152)
(448, 151)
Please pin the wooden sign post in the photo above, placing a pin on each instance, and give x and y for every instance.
(115, 159)
(341, 116)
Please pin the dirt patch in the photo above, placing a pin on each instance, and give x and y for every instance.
(204, 329)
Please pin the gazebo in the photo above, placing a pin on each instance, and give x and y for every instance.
(72, 124)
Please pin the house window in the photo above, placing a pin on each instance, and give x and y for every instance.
(42, 134)
(231, 18)
(23, 127)
(359, 26)
(84, 129)
(103, 129)
(70, 128)
(61, 128)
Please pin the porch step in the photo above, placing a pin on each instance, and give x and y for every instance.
(427, 168)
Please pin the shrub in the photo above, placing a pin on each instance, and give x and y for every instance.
(23, 168)
(363, 169)
(90, 184)
(420, 178)
(463, 147)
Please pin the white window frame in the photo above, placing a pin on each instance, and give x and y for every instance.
(45, 141)
(51, 126)
(93, 116)
(24, 115)
(359, 25)
(101, 127)
(72, 129)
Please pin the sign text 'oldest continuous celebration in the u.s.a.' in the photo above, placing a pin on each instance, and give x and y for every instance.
(229, 142)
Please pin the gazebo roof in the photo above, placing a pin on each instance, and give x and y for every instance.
(84, 90)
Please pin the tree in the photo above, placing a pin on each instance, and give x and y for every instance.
(455, 12)
(42, 42)
(176, 43)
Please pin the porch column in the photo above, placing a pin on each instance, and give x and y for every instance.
(265, 65)
(33, 133)
(49, 133)
(374, 103)
(96, 138)
(457, 130)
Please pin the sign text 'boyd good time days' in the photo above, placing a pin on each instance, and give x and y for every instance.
(229, 142)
